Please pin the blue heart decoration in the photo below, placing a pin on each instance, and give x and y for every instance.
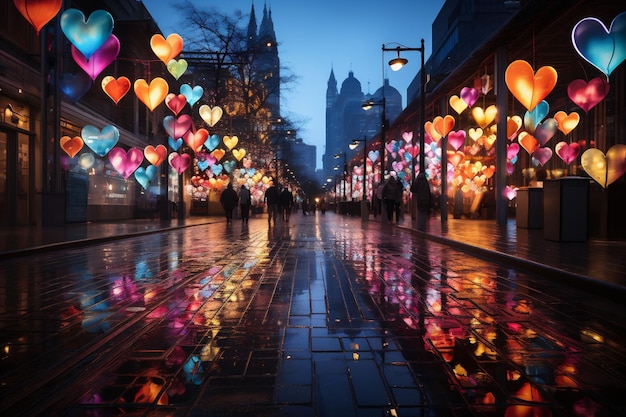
(101, 142)
(144, 176)
(408, 157)
(242, 172)
(251, 171)
(191, 94)
(74, 86)
(217, 169)
(229, 166)
(212, 142)
(175, 144)
(602, 48)
(87, 36)
(533, 118)
(203, 165)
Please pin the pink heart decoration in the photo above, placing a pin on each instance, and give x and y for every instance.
(511, 151)
(567, 152)
(100, 59)
(510, 192)
(456, 139)
(125, 162)
(179, 162)
(397, 166)
(587, 95)
(545, 131)
(177, 127)
(175, 102)
(407, 136)
(469, 95)
(542, 155)
(390, 147)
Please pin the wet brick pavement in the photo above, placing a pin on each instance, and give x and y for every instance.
(323, 317)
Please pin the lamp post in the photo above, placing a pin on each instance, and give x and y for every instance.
(353, 146)
(345, 170)
(383, 126)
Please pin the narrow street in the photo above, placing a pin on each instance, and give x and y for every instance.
(321, 316)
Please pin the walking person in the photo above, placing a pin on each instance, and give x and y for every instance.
(390, 193)
(244, 204)
(272, 199)
(286, 202)
(421, 188)
(229, 199)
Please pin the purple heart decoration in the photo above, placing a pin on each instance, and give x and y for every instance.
(542, 155)
(179, 162)
(125, 162)
(100, 59)
(469, 95)
(456, 139)
(74, 86)
(177, 127)
(545, 131)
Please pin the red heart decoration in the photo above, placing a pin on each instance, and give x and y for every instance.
(175, 102)
(197, 139)
(38, 12)
(542, 155)
(115, 88)
(528, 142)
(567, 152)
(587, 95)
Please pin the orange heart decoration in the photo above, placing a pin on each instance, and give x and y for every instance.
(71, 146)
(513, 124)
(528, 87)
(443, 125)
(489, 171)
(197, 139)
(566, 122)
(166, 49)
(231, 141)
(432, 132)
(218, 154)
(458, 104)
(116, 89)
(484, 117)
(239, 153)
(38, 12)
(155, 155)
(455, 158)
(528, 142)
(151, 95)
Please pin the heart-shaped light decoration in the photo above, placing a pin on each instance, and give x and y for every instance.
(212, 142)
(603, 48)
(511, 151)
(568, 152)
(218, 154)
(238, 154)
(87, 35)
(373, 155)
(510, 192)
(70, 145)
(101, 142)
(443, 125)
(412, 151)
(469, 95)
(177, 127)
(475, 134)
(567, 122)
(195, 140)
(455, 158)
(86, 161)
(528, 142)
(144, 176)
(210, 115)
(116, 89)
(74, 86)
(100, 59)
(151, 94)
(166, 49)
(179, 162)
(545, 131)
(533, 117)
(231, 141)
(429, 127)
(177, 68)
(587, 95)
(513, 125)
(542, 155)
(456, 139)
(489, 171)
(175, 144)
(407, 136)
(229, 166)
(175, 102)
(203, 165)
(528, 87)
(38, 12)
(193, 94)
(458, 104)
(605, 169)
(125, 162)
(217, 169)
(155, 155)
(484, 117)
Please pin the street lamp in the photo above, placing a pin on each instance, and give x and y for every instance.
(383, 126)
(353, 146)
(345, 170)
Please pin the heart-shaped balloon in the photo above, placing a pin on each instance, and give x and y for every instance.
(567, 122)
(475, 134)
(217, 169)
(458, 104)
(412, 151)
(175, 102)
(115, 88)
(528, 87)
(231, 141)
(605, 169)
(443, 125)
(177, 68)
(431, 131)
(144, 176)
(155, 155)
(166, 49)
(101, 142)
(568, 152)
(211, 115)
(603, 48)
(511, 151)
(484, 117)
(177, 127)
(513, 125)
(125, 162)
(100, 59)
(587, 95)
(175, 144)
(70, 145)
(203, 165)
(195, 139)
(528, 142)
(407, 136)
(238, 154)
(87, 35)
(86, 161)
(179, 162)
(212, 142)
(542, 155)
(533, 117)
(193, 94)
(218, 154)
(469, 95)
(229, 166)
(455, 158)
(74, 86)
(151, 94)
(456, 139)
(545, 131)
(38, 12)
(373, 155)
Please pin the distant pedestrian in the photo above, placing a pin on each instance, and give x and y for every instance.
(378, 198)
(244, 204)
(390, 195)
(286, 203)
(323, 205)
(421, 188)
(272, 199)
(229, 199)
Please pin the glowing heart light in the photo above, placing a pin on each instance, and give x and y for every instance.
(177, 127)
(151, 94)
(603, 48)
(568, 152)
(177, 68)
(203, 165)
(484, 117)
(512, 151)
(407, 137)
(567, 122)
(469, 95)
(229, 166)
(217, 169)
(193, 94)
(533, 117)
(238, 154)
(528, 142)
(475, 134)
(38, 12)
(412, 151)
(180, 163)
(456, 139)
(175, 144)
(144, 176)
(195, 139)
(115, 88)
(101, 142)
(528, 87)
(166, 49)
(155, 155)
(545, 131)
(212, 142)
(100, 59)
(86, 161)
(87, 35)
(458, 104)
(373, 155)
(125, 162)
(587, 95)
(443, 125)
(175, 102)
(210, 115)
(70, 145)
(218, 154)
(513, 125)
(231, 141)
(455, 158)
(429, 127)
(74, 86)
(605, 169)
(542, 155)
(510, 192)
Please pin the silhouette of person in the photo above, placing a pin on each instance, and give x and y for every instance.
(229, 199)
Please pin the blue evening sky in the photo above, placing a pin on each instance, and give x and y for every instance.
(315, 36)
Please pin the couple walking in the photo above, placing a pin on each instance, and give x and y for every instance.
(229, 200)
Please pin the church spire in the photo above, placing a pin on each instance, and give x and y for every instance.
(266, 30)
(252, 28)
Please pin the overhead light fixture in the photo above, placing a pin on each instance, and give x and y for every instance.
(397, 63)
(9, 114)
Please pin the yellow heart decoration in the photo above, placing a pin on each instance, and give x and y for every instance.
(489, 141)
(458, 104)
(257, 177)
(265, 180)
(177, 68)
(153, 94)
(475, 134)
(231, 141)
(566, 122)
(210, 115)
(605, 169)
(239, 153)
(484, 117)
